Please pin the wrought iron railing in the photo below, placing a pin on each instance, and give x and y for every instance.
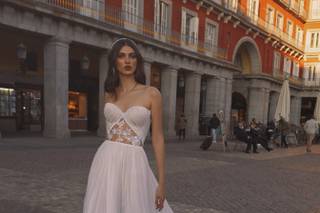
(254, 18)
(132, 22)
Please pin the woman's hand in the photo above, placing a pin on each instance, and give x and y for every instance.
(160, 197)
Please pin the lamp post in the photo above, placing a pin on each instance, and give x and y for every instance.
(21, 55)
(85, 64)
(181, 82)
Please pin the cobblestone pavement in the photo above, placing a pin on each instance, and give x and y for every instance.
(40, 175)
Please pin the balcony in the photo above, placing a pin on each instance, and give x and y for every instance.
(295, 7)
(311, 83)
(133, 23)
(314, 13)
(254, 19)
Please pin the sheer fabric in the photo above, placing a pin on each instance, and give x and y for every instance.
(120, 178)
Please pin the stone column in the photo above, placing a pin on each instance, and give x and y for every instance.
(221, 94)
(103, 70)
(169, 77)
(56, 86)
(212, 96)
(228, 97)
(273, 97)
(256, 105)
(295, 110)
(192, 103)
(265, 105)
(147, 71)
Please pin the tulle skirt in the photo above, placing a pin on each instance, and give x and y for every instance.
(121, 181)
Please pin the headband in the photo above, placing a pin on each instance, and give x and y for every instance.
(120, 39)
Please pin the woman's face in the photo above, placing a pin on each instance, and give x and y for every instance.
(126, 62)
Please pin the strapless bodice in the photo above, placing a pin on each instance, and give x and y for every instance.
(131, 126)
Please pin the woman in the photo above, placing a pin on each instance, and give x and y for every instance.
(120, 178)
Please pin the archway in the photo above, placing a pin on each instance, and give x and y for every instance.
(246, 55)
(239, 107)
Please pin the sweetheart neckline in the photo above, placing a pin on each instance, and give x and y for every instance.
(124, 112)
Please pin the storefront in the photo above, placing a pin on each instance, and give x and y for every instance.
(21, 109)
(77, 106)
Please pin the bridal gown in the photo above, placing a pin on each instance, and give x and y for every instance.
(120, 179)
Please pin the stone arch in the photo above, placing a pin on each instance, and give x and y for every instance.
(239, 107)
(246, 54)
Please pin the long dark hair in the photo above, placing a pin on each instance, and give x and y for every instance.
(113, 81)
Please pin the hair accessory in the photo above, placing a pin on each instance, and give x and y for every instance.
(120, 39)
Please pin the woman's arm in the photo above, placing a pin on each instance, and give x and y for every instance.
(158, 143)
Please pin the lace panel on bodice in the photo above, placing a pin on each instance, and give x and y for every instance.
(121, 132)
(130, 127)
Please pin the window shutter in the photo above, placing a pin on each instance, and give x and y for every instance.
(256, 9)
(289, 66)
(164, 18)
(183, 24)
(157, 15)
(196, 28)
(194, 25)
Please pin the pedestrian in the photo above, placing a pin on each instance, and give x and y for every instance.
(181, 126)
(214, 125)
(284, 130)
(222, 129)
(311, 128)
(120, 178)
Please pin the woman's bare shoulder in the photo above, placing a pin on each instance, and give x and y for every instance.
(153, 92)
(108, 97)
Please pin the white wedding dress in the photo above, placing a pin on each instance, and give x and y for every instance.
(120, 178)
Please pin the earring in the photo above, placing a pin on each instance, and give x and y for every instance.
(113, 71)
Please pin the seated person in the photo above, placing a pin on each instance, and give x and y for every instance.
(243, 134)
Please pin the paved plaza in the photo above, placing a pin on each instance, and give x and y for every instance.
(39, 175)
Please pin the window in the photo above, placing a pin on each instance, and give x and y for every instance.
(211, 34)
(92, 8)
(131, 14)
(309, 72)
(287, 65)
(270, 16)
(253, 11)
(189, 28)
(162, 18)
(232, 5)
(299, 35)
(7, 102)
(77, 105)
(314, 40)
(279, 21)
(315, 9)
(276, 63)
(295, 71)
(312, 73)
(289, 28)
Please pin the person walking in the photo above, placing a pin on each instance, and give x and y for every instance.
(181, 126)
(120, 177)
(311, 128)
(284, 130)
(214, 125)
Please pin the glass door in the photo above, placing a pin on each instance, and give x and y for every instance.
(29, 105)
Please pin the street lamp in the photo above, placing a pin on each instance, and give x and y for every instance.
(21, 52)
(85, 63)
(21, 55)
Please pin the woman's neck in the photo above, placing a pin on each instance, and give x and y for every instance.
(126, 83)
